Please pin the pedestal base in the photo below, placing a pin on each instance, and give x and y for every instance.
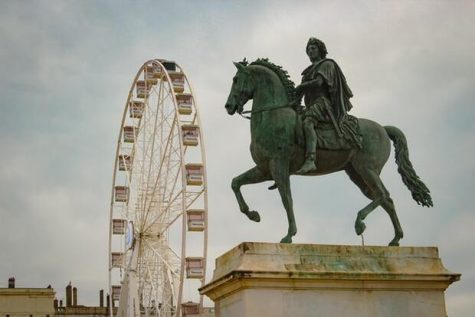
(265, 279)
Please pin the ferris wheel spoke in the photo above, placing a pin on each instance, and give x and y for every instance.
(153, 289)
(173, 252)
(148, 148)
(141, 147)
(168, 264)
(158, 176)
(175, 181)
(169, 295)
(167, 211)
(169, 224)
(149, 172)
(170, 153)
(191, 197)
(149, 193)
(166, 153)
(165, 180)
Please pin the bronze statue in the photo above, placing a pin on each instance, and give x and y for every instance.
(327, 100)
(278, 147)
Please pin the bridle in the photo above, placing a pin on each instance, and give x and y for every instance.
(261, 110)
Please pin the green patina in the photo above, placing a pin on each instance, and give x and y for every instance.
(287, 139)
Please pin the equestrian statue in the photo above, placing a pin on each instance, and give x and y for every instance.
(317, 139)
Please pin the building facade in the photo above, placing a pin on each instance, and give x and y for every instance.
(26, 302)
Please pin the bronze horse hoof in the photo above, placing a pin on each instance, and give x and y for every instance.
(286, 240)
(253, 215)
(359, 227)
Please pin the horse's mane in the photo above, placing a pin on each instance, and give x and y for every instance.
(281, 73)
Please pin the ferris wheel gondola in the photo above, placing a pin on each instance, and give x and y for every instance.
(158, 210)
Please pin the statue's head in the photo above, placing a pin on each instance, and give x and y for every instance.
(322, 49)
(241, 90)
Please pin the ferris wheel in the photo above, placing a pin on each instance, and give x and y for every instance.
(158, 210)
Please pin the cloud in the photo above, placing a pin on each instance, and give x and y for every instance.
(67, 68)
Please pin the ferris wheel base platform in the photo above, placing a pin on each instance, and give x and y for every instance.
(280, 280)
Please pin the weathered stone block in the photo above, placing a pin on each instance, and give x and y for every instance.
(280, 280)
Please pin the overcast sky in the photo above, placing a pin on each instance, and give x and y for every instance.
(65, 71)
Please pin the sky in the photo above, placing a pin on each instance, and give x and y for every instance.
(66, 68)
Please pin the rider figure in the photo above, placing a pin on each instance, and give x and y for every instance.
(326, 97)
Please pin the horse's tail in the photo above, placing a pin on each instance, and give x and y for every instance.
(419, 190)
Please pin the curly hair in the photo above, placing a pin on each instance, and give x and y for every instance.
(321, 46)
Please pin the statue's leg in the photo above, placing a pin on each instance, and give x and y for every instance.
(372, 187)
(388, 205)
(384, 200)
(281, 175)
(252, 176)
(310, 145)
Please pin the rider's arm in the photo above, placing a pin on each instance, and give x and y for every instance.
(318, 81)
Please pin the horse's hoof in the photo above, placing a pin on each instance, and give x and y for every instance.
(286, 240)
(274, 186)
(360, 227)
(394, 243)
(254, 216)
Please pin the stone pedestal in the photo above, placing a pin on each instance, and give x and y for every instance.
(266, 279)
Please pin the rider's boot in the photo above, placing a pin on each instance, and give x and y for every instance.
(308, 165)
(311, 145)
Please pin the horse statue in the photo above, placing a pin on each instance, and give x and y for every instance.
(278, 152)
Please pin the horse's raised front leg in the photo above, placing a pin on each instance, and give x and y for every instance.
(280, 173)
(252, 176)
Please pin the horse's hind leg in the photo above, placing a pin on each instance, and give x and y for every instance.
(280, 173)
(363, 213)
(388, 205)
(373, 188)
(252, 176)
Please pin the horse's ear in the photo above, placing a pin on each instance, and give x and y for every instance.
(240, 66)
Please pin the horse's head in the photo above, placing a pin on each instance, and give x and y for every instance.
(241, 90)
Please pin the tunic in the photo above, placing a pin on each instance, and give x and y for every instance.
(333, 95)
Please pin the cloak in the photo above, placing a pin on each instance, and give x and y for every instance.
(339, 91)
(340, 94)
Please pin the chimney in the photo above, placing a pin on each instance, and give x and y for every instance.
(11, 282)
(108, 300)
(60, 303)
(69, 295)
(101, 298)
(75, 296)
(55, 303)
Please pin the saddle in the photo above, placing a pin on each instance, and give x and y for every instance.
(327, 136)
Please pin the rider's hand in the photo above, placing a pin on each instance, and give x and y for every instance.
(299, 89)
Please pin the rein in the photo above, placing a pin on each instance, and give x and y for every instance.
(261, 110)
